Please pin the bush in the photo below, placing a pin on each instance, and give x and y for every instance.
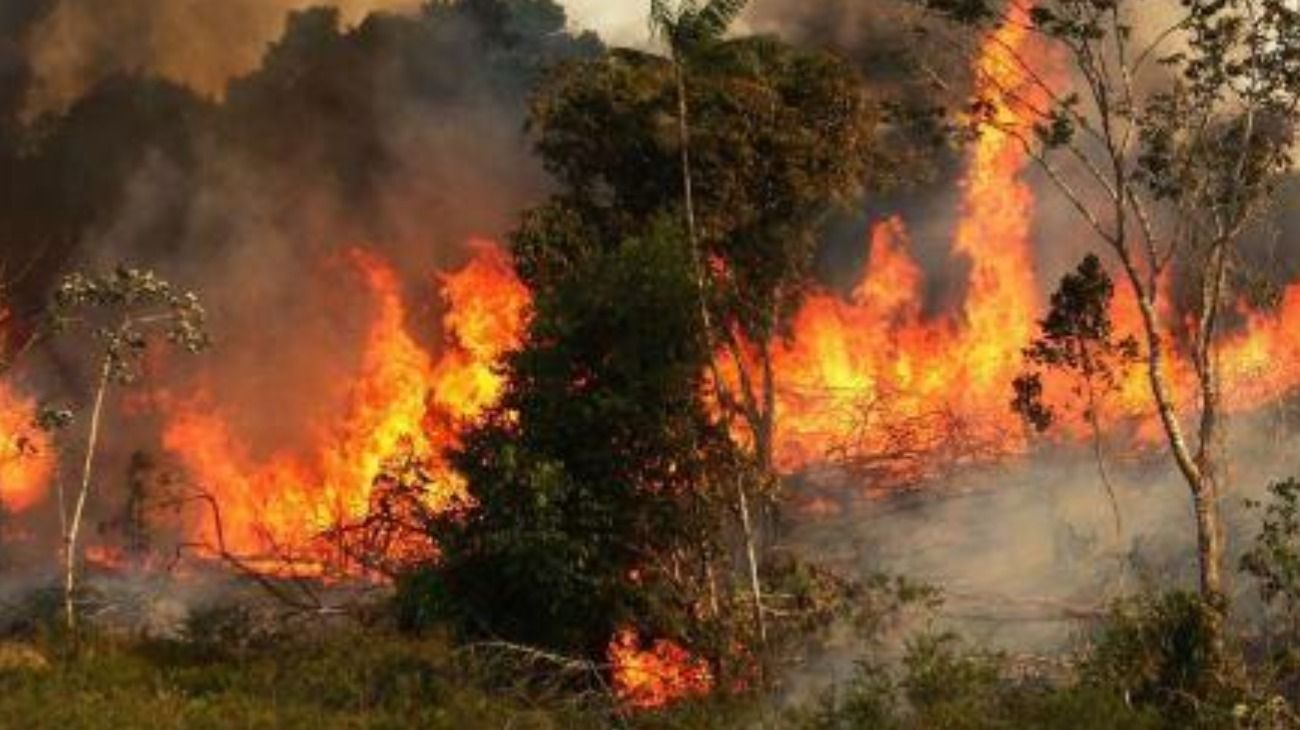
(944, 685)
(1156, 652)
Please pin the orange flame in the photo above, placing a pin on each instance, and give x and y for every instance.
(872, 377)
(403, 402)
(26, 456)
(857, 366)
(655, 676)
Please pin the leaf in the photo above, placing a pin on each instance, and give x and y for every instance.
(716, 17)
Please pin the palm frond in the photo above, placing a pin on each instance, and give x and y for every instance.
(663, 19)
(714, 19)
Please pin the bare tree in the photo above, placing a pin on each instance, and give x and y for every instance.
(121, 312)
(1169, 142)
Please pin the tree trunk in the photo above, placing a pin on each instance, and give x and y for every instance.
(74, 525)
(1099, 449)
(1211, 538)
(1199, 470)
(706, 321)
(1210, 543)
(755, 583)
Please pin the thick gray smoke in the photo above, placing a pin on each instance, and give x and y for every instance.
(399, 133)
(1026, 553)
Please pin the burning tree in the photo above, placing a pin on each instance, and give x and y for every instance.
(1169, 144)
(120, 311)
(590, 486)
(748, 142)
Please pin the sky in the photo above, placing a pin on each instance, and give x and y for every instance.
(619, 22)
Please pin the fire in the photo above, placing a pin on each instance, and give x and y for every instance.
(872, 369)
(1260, 363)
(26, 456)
(402, 403)
(655, 676)
(874, 381)
(465, 380)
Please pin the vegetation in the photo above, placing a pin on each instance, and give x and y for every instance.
(1169, 175)
(622, 491)
(122, 312)
(570, 537)
(1078, 338)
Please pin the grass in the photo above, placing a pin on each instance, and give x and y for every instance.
(348, 680)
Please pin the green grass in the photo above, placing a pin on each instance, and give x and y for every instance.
(350, 680)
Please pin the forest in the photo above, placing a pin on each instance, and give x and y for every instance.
(809, 364)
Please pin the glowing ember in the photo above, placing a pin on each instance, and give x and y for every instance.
(402, 403)
(653, 677)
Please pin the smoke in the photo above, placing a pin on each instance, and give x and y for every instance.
(202, 45)
(1025, 553)
(195, 43)
(402, 133)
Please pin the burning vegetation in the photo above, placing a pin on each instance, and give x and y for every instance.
(565, 406)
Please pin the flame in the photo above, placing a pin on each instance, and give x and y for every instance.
(26, 455)
(873, 376)
(658, 675)
(402, 403)
(873, 380)
(872, 369)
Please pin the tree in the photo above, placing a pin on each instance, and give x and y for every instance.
(120, 312)
(689, 30)
(1078, 339)
(1273, 561)
(1169, 147)
(588, 486)
(750, 142)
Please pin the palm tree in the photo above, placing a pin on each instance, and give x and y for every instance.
(687, 28)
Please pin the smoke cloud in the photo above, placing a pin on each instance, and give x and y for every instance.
(199, 44)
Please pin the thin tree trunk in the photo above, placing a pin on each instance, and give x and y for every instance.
(74, 526)
(701, 280)
(1099, 453)
(1211, 539)
(1197, 470)
(755, 584)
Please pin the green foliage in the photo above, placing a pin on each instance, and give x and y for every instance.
(777, 135)
(347, 680)
(1273, 561)
(1076, 337)
(588, 483)
(1158, 652)
(1274, 558)
(944, 685)
(692, 25)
